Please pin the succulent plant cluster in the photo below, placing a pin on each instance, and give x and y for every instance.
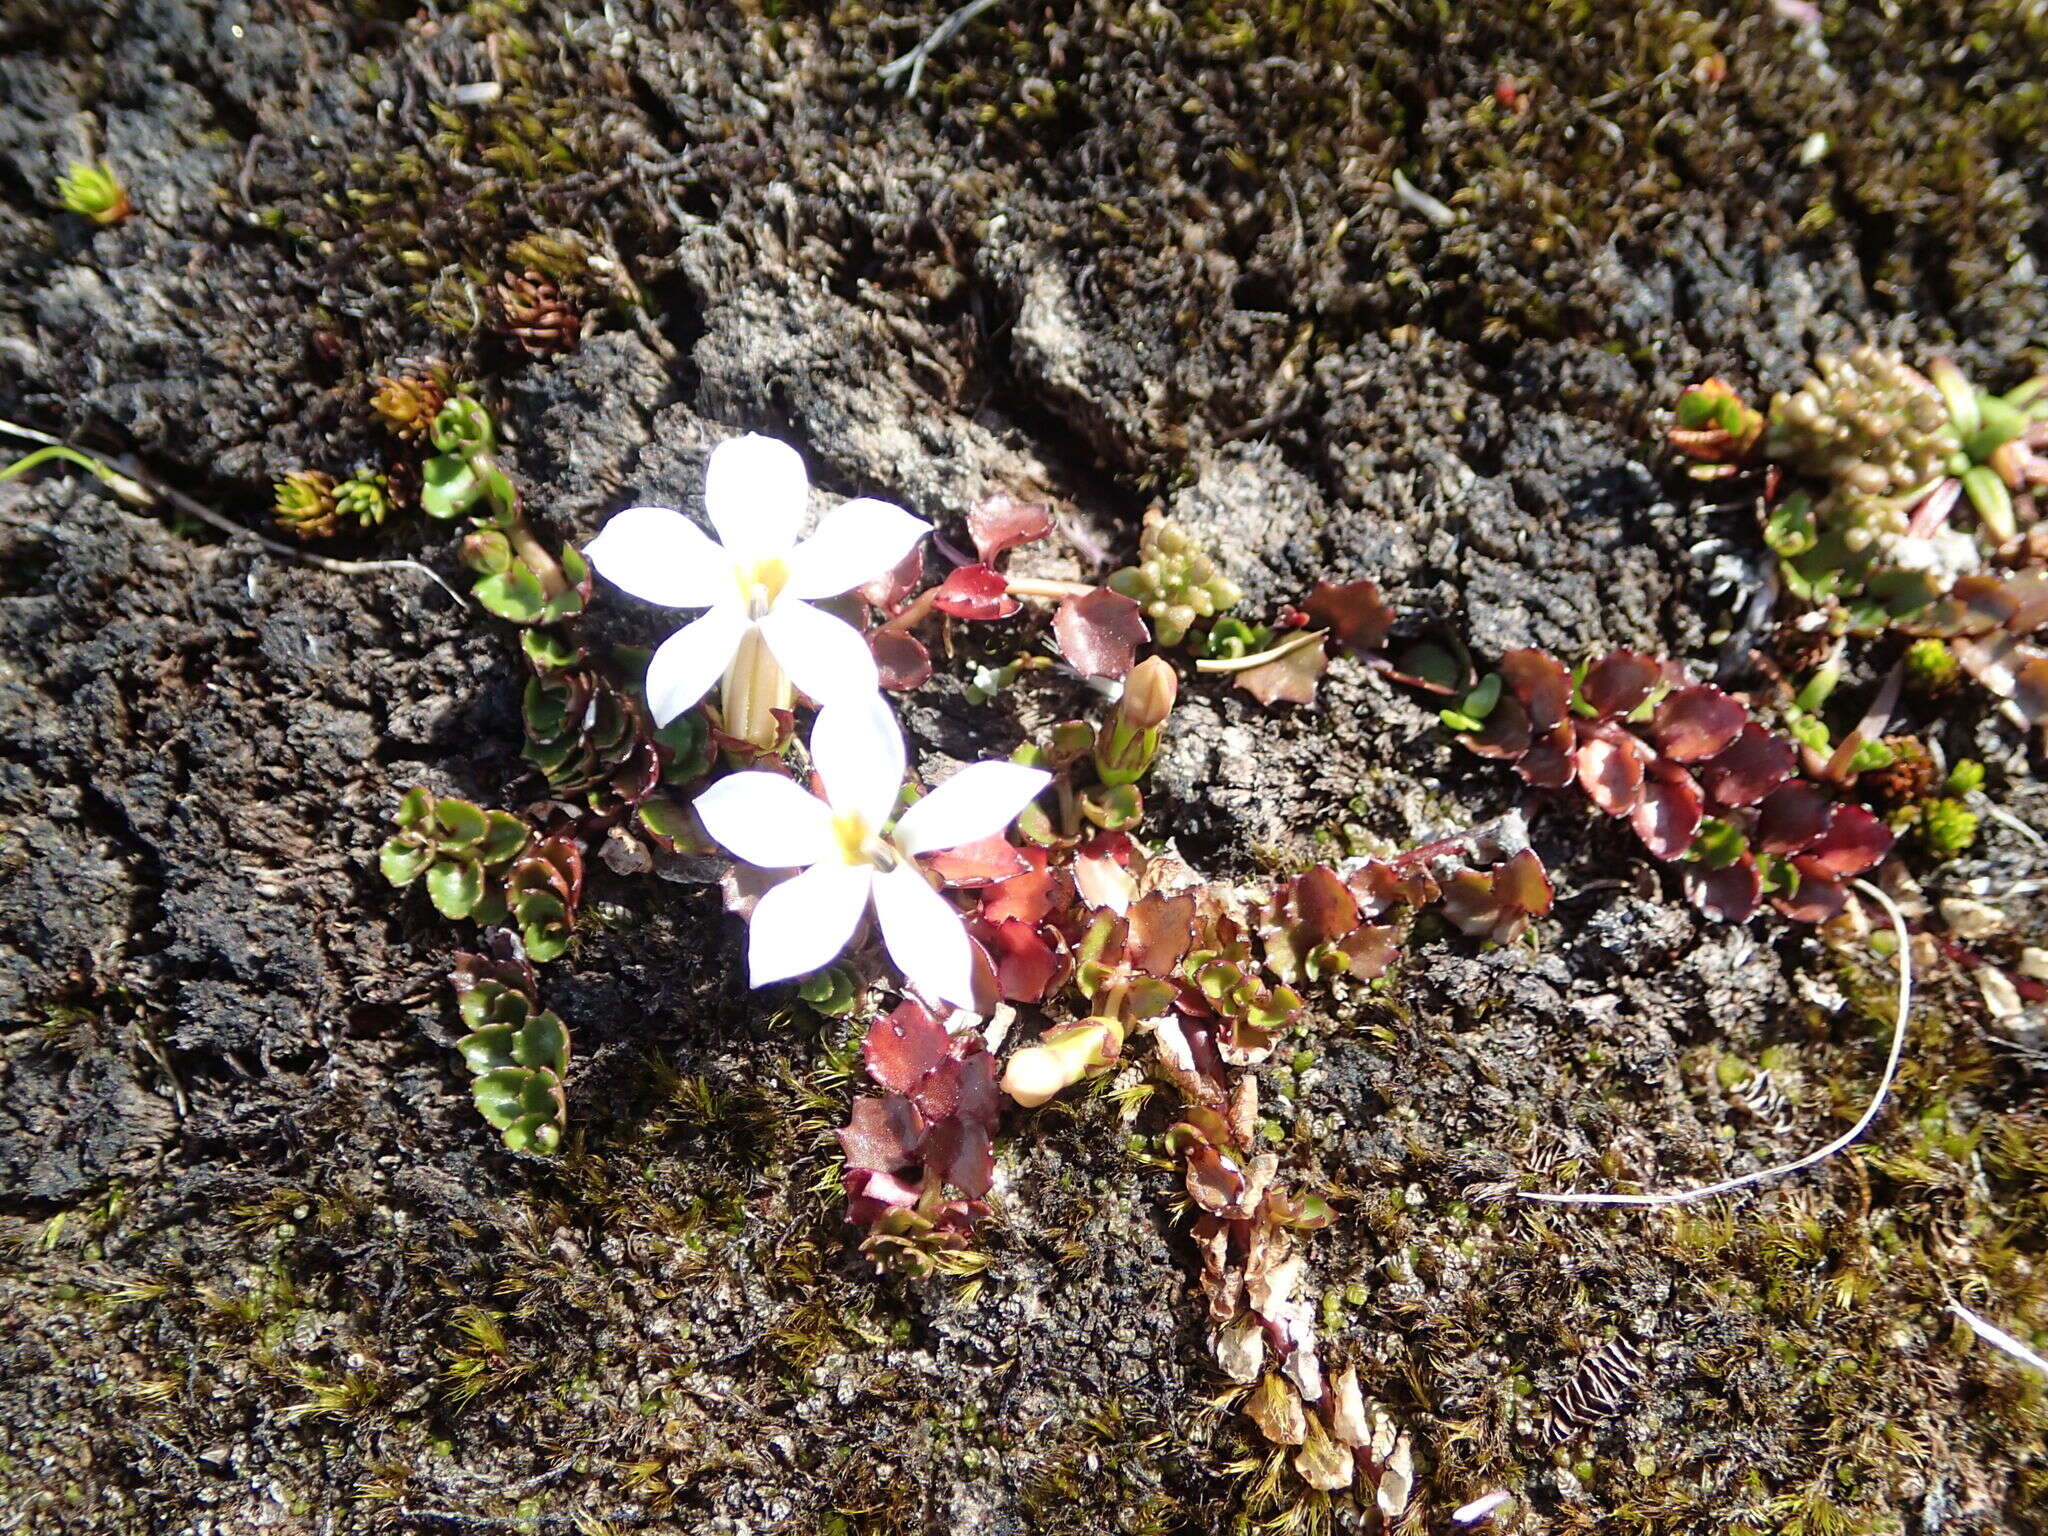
(92, 191)
(920, 1157)
(1175, 582)
(1899, 499)
(460, 850)
(534, 312)
(517, 1052)
(1699, 780)
(408, 403)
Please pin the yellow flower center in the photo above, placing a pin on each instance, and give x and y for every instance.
(861, 844)
(761, 583)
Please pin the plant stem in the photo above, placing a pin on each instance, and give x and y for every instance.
(546, 569)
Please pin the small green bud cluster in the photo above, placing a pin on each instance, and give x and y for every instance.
(1947, 827)
(1931, 667)
(835, 991)
(305, 503)
(1868, 423)
(518, 1053)
(459, 849)
(93, 192)
(1175, 582)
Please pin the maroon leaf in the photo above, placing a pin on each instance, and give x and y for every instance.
(1026, 963)
(1728, 895)
(1029, 898)
(890, 591)
(1002, 522)
(1100, 633)
(882, 1134)
(986, 861)
(1540, 681)
(980, 1104)
(1160, 930)
(903, 1046)
(1697, 722)
(1354, 612)
(872, 1194)
(1818, 900)
(959, 1153)
(1852, 843)
(1375, 886)
(1552, 762)
(1619, 681)
(1749, 767)
(1791, 817)
(975, 592)
(1505, 733)
(1475, 903)
(901, 659)
(1610, 763)
(1523, 884)
(1371, 949)
(1291, 679)
(1668, 814)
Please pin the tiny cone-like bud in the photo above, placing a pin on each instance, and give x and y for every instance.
(1040, 1073)
(1149, 693)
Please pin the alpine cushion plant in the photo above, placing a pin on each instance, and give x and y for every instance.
(849, 856)
(756, 582)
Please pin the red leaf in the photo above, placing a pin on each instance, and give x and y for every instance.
(1610, 764)
(986, 861)
(901, 659)
(1026, 964)
(1551, 762)
(1667, 816)
(903, 1046)
(1524, 884)
(1791, 817)
(882, 1134)
(1540, 681)
(1354, 613)
(1697, 722)
(1728, 895)
(1028, 898)
(1100, 633)
(1160, 931)
(1816, 901)
(975, 592)
(1372, 949)
(1289, 680)
(1853, 842)
(1474, 905)
(1749, 767)
(959, 1153)
(1619, 681)
(1505, 733)
(872, 1194)
(890, 591)
(1002, 522)
(1376, 888)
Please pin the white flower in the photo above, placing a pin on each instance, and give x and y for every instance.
(847, 857)
(755, 576)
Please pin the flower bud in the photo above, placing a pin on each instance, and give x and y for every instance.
(1149, 693)
(1041, 1072)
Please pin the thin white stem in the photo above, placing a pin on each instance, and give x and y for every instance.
(1287, 647)
(1863, 1123)
(1998, 1338)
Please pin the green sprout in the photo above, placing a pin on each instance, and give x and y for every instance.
(305, 504)
(519, 1054)
(458, 848)
(1174, 582)
(1947, 827)
(364, 497)
(1931, 667)
(92, 191)
(835, 991)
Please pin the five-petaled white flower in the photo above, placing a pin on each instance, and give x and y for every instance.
(756, 576)
(847, 857)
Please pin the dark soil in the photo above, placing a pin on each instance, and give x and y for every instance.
(261, 1266)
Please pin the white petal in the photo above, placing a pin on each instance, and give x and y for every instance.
(660, 556)
(978, 801)
(768, 820)
(755, 491)
(826, 657)
(689, 661)
(924, 937)
(857, 541)
(858, 748)
(804, 923)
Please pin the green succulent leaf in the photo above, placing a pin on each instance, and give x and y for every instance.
(401, 861)
(448, 488)
(462, 824)
(534, 1133)
(456, 887)
(489, 1049)
(504, 835)
(543, 1043)
(513, 595)
(552, 651)
(508, 1093)
(415, 807)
